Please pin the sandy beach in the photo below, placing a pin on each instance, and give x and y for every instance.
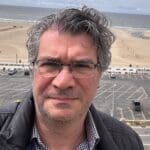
(13, 36)
(132, 46)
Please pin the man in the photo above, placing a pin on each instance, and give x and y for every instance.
(68, 51)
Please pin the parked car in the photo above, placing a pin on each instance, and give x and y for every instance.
(12, 72)
(113, 75)
(137, 105)
(26, 72)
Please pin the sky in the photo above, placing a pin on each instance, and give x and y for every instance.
(124, 6)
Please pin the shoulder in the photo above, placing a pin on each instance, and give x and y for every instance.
(9, 108)
(122, 134)
(18, 110)
(7, 111)
(13, 107)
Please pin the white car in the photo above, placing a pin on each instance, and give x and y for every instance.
(113, 75)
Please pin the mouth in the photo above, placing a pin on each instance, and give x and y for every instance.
(62, 102)
(61, 98)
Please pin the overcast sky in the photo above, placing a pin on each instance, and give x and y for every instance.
(127, 6)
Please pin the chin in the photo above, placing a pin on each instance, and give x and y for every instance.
(63, 115)
(60, 115)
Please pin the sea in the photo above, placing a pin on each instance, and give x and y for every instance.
(25, 13)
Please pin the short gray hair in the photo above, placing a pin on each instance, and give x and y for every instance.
(75, 21)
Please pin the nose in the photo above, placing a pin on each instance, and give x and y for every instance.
(64, 79)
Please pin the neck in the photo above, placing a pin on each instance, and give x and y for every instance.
(59, 134)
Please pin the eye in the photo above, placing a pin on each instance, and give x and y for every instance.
(84, 65)
(49, 66)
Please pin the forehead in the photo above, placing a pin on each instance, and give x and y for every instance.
(59, 44)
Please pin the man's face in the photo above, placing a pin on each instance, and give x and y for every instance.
(64, 97)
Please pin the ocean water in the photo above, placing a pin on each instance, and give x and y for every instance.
(120, 6)
(35, 13)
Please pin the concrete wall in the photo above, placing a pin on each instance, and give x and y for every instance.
(146, 147)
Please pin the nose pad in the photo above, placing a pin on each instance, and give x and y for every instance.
(64, 79)
(67, 66)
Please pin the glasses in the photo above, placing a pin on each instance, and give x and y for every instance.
(79, 69)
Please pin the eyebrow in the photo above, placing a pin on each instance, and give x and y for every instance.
(50, 59)
(82, 60)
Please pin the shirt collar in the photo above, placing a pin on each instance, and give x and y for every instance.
(91, 130)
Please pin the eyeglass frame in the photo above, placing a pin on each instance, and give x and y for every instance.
(71, 67)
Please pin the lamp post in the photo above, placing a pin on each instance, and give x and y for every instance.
(113, 100)
(16, 58)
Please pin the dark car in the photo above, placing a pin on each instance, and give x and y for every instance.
(137, 105)
(26, 72)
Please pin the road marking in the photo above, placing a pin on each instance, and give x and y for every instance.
(146, 144)
(142, 97)
(148, 135)
(144, 94)
(147, 76)
(140, 89)
(121, 112)
(130, 96)
(132, 114)
(122, 93)
(137, 127)
(103, 91)
(143, 115)
(108, 96)
(120, 87)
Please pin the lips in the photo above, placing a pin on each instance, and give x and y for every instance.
(62, 95)
(62, 98)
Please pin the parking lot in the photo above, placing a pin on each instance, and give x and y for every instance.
(115, 96)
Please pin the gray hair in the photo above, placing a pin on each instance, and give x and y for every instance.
(75, 21)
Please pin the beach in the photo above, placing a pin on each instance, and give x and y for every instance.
(132, 45)
(13, 36)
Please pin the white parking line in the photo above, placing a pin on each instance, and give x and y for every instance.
(147, 77)
(142, 77)
(122, 93)
(148, 135)
(120, 87)
(136, 78)
(146, 145)
(132, 114)
(142, 97)
(108, 96)
(144, 91)
(143, 115)
(101, 92)
(137, 127)
(121, 112)
(138, 90)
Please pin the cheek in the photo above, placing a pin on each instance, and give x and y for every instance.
(90, 86)
(39, 84)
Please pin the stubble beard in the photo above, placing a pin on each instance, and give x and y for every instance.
(57, 122)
